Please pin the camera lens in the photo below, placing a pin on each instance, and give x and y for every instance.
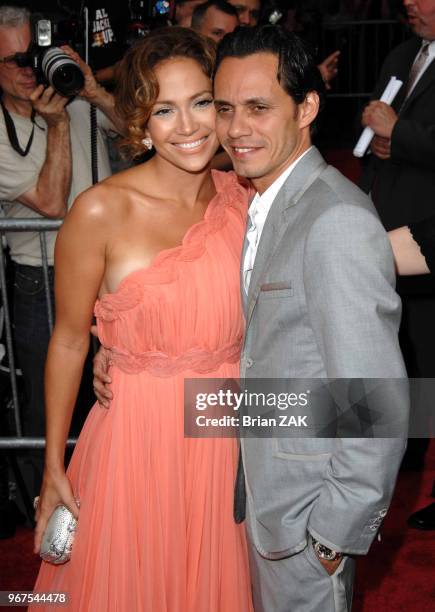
(62, 72)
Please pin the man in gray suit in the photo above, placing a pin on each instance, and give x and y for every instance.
(318, 286)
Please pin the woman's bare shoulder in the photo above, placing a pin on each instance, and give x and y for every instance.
(106, 200)
(130, 180)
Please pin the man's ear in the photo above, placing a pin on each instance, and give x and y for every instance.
(309, 109)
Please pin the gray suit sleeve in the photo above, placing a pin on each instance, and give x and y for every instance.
(355, 313)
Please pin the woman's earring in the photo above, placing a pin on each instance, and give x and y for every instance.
(147, 142)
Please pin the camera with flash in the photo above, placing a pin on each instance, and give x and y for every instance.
(53, 66)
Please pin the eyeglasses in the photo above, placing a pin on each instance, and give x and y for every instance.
(19, 60)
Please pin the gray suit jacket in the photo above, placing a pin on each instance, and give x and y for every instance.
(334, 314)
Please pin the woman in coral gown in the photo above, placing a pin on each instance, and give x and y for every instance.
(154, 251)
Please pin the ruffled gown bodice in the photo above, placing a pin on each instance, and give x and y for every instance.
(183, 312)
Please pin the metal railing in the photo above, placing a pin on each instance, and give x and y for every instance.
(23, 225)
(17, 442)
(364, 46)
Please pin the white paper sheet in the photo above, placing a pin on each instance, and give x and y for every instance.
(388, 96)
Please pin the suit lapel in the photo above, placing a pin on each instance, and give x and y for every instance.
(427, 78)
(305, 173)
(402, 69)
(242, 280)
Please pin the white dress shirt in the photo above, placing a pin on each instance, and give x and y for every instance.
(258, 211)
(429, 59)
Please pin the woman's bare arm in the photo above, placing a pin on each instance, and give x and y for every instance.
(79, 269)
(408, 257)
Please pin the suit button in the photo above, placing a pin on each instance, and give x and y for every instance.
(249, 362)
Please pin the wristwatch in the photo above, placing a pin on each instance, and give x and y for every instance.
(324, 552)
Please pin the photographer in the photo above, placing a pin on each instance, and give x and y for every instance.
(45, 162)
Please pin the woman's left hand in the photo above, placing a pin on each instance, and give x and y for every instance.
(56, 490)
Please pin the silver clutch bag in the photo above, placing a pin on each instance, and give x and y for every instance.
(59, 536)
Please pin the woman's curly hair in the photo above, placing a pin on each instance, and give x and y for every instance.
(137, 87)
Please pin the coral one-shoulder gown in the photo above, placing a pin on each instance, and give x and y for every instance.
(156, 531)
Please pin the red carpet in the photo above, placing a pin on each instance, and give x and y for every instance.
(398, 573)
(396, 576)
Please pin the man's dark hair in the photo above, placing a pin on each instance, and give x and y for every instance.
(297, 70)
(200, 11)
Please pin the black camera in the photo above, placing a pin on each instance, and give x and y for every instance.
(53, 66)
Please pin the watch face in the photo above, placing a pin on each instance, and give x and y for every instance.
(324, 552)
(329, 554)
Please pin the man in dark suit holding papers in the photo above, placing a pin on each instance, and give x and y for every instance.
(400, 175)
(403, 162)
